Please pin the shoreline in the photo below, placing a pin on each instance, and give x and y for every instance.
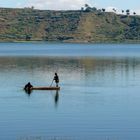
(73, 42)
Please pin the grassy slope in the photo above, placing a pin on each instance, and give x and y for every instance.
(67, 26)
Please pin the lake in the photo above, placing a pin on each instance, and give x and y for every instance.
(99, 97)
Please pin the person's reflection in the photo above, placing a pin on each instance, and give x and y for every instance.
(28, 92)
(56, 97)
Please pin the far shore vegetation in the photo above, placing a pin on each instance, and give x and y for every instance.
(88, 24)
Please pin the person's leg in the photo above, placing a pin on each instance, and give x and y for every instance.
(56, 84)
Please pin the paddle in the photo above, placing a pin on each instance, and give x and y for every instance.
(51, 83)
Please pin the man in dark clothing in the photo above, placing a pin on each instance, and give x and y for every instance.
(28, 86)
(56, 79)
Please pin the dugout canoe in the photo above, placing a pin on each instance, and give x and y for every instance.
(45, 88)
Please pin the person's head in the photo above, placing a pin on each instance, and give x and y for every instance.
(29, 83)
(55, 73)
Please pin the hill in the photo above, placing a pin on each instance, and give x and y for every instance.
(67, 26)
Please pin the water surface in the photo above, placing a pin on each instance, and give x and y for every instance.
(99, 97)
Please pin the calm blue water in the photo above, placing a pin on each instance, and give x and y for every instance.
(99, 97)
(86, 50)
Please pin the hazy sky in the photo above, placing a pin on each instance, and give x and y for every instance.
(72, 4)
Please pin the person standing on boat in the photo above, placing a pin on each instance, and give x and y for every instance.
(56, 79)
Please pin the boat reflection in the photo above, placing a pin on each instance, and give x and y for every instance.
(56, 96)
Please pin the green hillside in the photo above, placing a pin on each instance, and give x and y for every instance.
(67, 26)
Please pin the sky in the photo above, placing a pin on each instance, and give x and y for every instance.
(133, 5)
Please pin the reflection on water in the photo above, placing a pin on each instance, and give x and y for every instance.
(99, 97)
(56, 96)
(28, 92)
(73, 71)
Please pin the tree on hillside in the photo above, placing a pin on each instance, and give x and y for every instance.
(103, 9)
(86, 5)
(128, 12)
(114, 10)
(134, 13)
(88, 8)
(94, 9)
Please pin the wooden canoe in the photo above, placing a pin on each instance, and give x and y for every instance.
(45, 88)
